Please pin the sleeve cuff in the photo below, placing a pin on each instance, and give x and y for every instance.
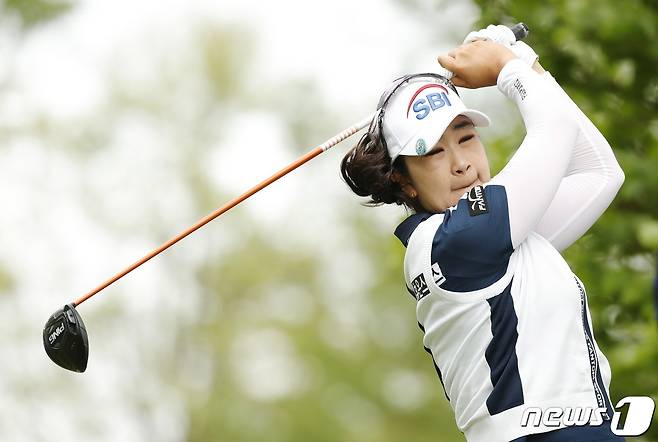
(514, 66)
(508, 78)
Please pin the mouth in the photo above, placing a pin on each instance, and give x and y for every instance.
(467, 187)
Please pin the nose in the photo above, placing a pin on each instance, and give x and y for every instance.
(460, 163)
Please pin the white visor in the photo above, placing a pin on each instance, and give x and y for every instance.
(419, 112)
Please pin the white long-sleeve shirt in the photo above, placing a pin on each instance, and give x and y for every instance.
(572, 164)
(503, 316)
(592, 180)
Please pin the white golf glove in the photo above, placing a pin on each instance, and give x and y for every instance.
(503, 35)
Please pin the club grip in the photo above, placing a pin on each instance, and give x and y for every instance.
(520, 31)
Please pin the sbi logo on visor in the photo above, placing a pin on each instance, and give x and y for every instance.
(428, 103)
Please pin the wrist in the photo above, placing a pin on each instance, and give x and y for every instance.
(503, 60)
(512, 70)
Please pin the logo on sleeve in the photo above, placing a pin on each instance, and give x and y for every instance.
(419, 286)
(520, 89)
(477, 202)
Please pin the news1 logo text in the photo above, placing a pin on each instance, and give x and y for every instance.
(632, 416)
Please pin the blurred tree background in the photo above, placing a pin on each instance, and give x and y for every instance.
(297, 326)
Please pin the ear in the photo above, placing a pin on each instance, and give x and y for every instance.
(404, 183)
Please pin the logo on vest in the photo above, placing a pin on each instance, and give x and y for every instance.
(437, 275)
(419, 286)
(477, 202)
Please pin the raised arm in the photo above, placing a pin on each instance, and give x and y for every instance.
(593, 177)
(533, 176)
(592, 180)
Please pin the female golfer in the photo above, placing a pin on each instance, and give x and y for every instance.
(505, 319)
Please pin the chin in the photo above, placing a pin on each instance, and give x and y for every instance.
(453, 202)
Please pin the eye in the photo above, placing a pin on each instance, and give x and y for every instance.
(466, 138)
(435, 151)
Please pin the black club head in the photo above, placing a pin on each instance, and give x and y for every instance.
(65, 339)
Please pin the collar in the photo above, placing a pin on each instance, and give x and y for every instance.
(407, 227)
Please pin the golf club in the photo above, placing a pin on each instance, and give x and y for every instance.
(65, 336)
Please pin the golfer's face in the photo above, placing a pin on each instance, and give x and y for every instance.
(455, 163)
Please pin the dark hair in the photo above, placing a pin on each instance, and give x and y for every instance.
(367, 170)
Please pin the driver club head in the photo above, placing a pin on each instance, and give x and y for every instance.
(65, 339)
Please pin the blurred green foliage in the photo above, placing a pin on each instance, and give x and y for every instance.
(219, 46)
(6, 281)
(346, 364)
(603, 53)
(34, 12)
(355, 353)
(29, 13)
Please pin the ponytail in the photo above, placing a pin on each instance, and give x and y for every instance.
(367, 170)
